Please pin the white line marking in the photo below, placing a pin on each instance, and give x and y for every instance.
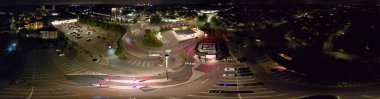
(299, 97)
(263, 92)
(148, 63)
(129, 61)
(138, 63)
(235, 80)
(204, 81)
(31, 93)
(143, 64)
(237, 97)
(134, 61)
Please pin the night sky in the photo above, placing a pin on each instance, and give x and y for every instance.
(48, 2)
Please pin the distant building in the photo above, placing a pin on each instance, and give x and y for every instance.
(44, 33)
(34, 26)
(48, 33)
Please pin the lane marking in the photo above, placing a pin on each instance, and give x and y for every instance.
(252, 97)
(204, 81)
(134, 61)
(262, 92)
(212, 97)
(239, 80)
(143, 65)
(148, 64)
(31, 93)
(138, 63)
(129, 61)
(299, 97)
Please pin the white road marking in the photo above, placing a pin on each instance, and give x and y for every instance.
(303, 97)
(134, 61)
(31, 93)
(142, 81)
(138, 63)
(143, 65)
(259, 89)
(129, 61)
(263, 92)
(210, 96)
(148, 63)
(252, 97)
(217, 68)
(235, 80)
(204, 81)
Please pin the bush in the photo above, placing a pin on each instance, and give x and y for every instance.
(119, 52)
(202, 18)
(150, 39)
(155, 19)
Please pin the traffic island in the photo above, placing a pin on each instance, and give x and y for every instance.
(150, 38)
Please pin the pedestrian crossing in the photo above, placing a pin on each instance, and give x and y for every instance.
(140, 63)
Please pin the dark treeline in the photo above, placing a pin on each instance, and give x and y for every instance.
(107, 26)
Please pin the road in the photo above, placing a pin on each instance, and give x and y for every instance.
(76, 76)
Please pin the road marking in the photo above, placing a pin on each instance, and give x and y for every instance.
(142, 81)
(31, 93)
(148, 63)
(204, 81)
(371, 97)
(263, 92)
(239, 96)
(235, 80)
(134, 61)
(217, 68)
(129, 61)
(138, 63)
(143, 64)
(259, 89)
(210, 96)
(299, 97)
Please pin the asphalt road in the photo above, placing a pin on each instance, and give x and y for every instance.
(75, 76)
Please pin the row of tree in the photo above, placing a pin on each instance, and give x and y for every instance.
(102, 24)
(150, 38)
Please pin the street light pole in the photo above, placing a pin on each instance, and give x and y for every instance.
(166, 63)
(166, 66)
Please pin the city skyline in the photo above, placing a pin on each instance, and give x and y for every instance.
(121, 2)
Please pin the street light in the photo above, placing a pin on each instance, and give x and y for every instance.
(166, 63)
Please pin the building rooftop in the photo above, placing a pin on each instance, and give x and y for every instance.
(184, 32)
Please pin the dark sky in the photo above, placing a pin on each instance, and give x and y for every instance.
(39, 2)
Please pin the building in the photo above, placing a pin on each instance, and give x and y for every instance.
(48, 33)
(211, 49)
(44, 33)
(34, 26)
(184, 33)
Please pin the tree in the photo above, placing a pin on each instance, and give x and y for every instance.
(155, 19)
(203, 17)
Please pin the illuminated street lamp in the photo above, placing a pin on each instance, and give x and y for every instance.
(166, 63)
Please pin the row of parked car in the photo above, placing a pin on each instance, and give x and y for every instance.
(236, 72)
(242, 72)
